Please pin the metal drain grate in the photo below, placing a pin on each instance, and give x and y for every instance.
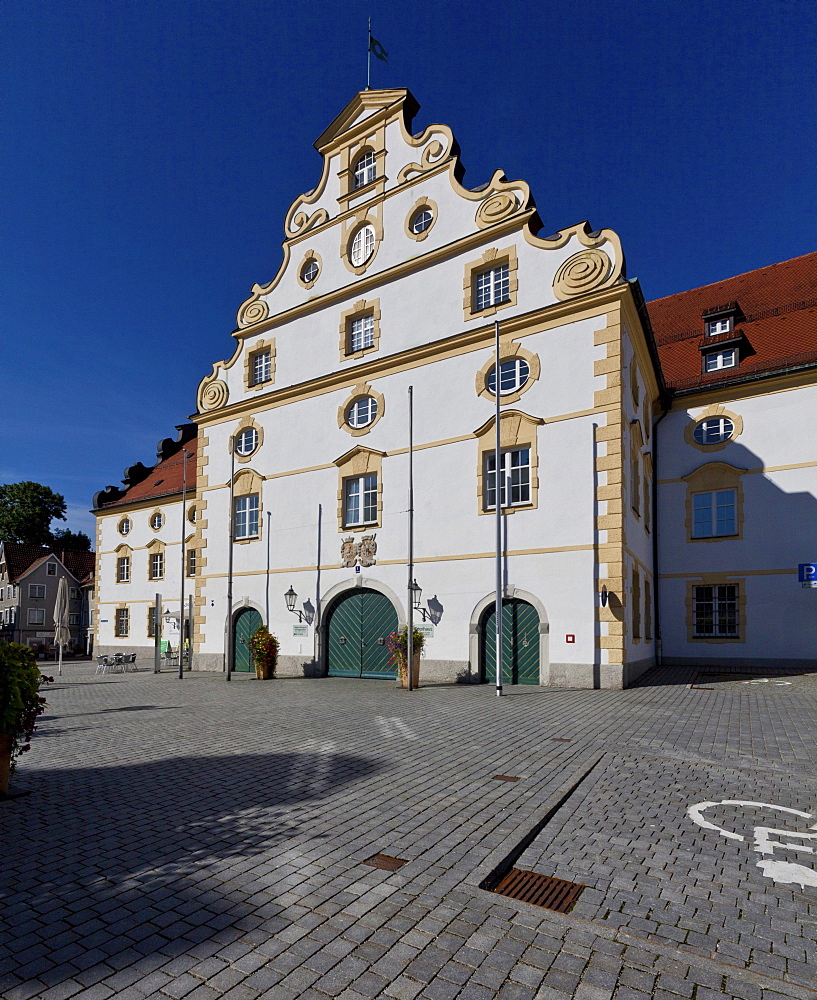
(384, 861)
(541, 890)
(504, 777)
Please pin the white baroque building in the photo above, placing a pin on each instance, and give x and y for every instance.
(394, 276)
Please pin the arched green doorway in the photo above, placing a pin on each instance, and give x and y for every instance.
(520, 643)
(246, 622)
(358, 626)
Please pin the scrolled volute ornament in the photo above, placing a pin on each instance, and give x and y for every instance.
(213, 394)
(252, 311)
(583, 272)
(495, 208)
(302, 223)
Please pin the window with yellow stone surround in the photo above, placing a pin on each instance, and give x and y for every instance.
(490, 283)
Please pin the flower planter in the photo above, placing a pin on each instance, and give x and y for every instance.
(263, 671)
(415, 673)
(5, 762)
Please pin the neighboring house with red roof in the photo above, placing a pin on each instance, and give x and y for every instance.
(139, 545)
(29, 576)
(737, 467)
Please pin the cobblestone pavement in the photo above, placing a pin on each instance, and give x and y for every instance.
(193, 839)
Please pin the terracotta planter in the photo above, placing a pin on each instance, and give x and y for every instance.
(415, 673)
(5, 762)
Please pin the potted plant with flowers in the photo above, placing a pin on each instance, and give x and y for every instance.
(397, 645)
(264, 652)
(20, 704)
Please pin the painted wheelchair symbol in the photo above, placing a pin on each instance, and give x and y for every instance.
(784, 872)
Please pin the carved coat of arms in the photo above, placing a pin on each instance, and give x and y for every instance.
(363, 552)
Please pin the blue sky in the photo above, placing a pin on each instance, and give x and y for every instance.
(149, 151)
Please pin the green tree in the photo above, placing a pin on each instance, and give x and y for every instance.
(26, 512)
(65, 540)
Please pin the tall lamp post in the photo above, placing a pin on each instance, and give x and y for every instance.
(187, 455)
(231, 518)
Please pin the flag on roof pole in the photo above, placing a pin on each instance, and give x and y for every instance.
(377, 49)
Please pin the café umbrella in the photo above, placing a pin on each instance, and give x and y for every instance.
(62, 634)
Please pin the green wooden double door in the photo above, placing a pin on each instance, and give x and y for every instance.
(358, 626)
(520, 643)
(245, 624)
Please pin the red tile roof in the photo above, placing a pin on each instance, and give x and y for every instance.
(778, 318)
(165, 478)
(22, 558)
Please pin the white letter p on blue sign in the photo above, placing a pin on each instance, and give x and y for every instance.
(807, 573)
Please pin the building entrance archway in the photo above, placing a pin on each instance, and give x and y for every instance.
(359, 623)
(244, 624)
(520, 643)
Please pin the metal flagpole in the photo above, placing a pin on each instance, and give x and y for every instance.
(369, 58)
(184, 553)
(498, 498)
(410, 614)
(231, 516)
(157, 635)
(266, 594)
(190, 626)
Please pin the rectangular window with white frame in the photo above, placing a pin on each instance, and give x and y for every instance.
(152, 622)
(714, 514)
(122, 622)
(716, 611)
(246, 516)
(492, 286)
(191, 562)
(717, 360)
(157, 565)
(514, 473)
(123, 569)
(361, 333)
(717, 326)
(360, 500)
(261, 367)
(36, 616)
(36, 590)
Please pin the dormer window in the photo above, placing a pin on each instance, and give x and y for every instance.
(365, 170)
(721, 325)
(717, 360)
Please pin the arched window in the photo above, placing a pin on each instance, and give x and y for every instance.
(365, 169)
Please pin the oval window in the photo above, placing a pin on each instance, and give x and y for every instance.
(157, 520)
(124, 526)
(310, 271)
(421, 220)
(713, 430)
(362, 412)
(247, 441)
(362, 245)
(191, 515)
(513, 374)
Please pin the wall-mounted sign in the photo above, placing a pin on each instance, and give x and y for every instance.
(300, 630)
(426, 630)
(807, 574)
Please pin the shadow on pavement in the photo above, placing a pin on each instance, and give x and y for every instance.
(106, 866)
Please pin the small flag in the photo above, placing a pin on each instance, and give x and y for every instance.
(377, 50)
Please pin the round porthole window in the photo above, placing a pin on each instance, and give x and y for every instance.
(247, 441)
(310, 271)
(421, 221)
(191, 514)
(157, 520)
(362, 246)
(124, 526)
(513, 374)
(362, 412)
(713, 430)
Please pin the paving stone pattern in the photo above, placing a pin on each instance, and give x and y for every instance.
(193, 839)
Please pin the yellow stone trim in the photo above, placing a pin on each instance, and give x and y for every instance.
(374, 142)
(360, 461)
(361, 390)
(713, 410)
(516, 430)
(247, 423)
(418, 206)
(507, 351)
(123, 551)
(636, 444)
(125, 534)
(119, 607)
(157, 510)
(753, 472)
(307, 257)
(360, 309)
(156, 547)
(708, 478)
(246, 483)
(788, 571)
(492, 257)
(252, 354)
(713, 580)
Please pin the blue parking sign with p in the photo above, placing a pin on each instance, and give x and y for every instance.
(807, 573)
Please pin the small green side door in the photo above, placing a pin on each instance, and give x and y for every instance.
(520, 644)
(358, 626)
(245, 624)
